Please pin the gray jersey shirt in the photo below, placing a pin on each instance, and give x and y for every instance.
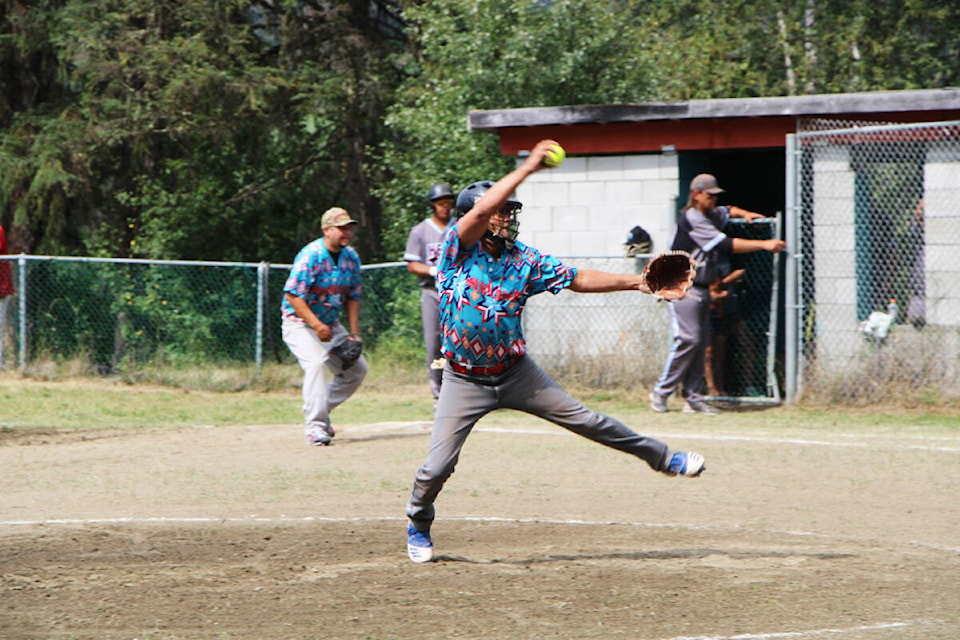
(424, 245)
(703, 238)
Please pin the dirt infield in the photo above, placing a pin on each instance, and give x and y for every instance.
(244, 532)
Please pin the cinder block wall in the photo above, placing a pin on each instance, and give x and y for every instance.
(581, 212)
(586, 206)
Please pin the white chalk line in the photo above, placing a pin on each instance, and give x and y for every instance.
(773, 440)
(862, 441)
(812, 633)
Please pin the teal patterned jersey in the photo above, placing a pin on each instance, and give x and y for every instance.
(324, 283)
(482, 298)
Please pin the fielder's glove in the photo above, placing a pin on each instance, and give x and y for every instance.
(669, 275)
(347, 347)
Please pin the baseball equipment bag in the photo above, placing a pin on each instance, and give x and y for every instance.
(669, 275)
(347, 348)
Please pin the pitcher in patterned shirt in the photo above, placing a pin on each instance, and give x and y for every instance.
(484, 277)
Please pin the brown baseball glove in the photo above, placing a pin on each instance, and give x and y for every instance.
(669, 275)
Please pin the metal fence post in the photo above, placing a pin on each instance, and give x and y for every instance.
(263, 274)
(22, 315)
(791, 302)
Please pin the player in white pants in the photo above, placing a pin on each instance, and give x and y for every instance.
(325, 277)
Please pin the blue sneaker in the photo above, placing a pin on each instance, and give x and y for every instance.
(686, 463)
(419, 545)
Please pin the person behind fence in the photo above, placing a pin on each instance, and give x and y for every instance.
(700, 232)
(6, 291)
(917, 278)
(422, 256)
(484, 277)
(324, 280)
(727, 325)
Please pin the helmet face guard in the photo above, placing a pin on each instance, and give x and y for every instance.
(504, 224)
(506, 233)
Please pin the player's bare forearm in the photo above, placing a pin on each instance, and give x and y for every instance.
(589, 281)
(746, 245)
(309, 317)
(734, 276)
(474, 224)
(418, 269)
(740, 212)
(353, 316)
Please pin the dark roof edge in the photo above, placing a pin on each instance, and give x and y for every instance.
(796, 106)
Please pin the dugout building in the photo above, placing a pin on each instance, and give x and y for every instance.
(845, 176)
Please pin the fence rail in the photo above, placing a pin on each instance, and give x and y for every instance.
(123, 316)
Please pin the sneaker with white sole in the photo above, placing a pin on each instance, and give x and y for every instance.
(699, 406)
(419, 545)
(319, 434)
(686, 463)
(658, 402)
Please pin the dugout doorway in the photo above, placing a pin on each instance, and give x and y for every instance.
(746, 329)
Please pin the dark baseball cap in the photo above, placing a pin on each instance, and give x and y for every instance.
(705, 182)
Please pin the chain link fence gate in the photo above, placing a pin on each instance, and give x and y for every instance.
(873, 236)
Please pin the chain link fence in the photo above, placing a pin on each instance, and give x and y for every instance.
(622, 339)
(133, 318)
(878, 310)
(127, 317)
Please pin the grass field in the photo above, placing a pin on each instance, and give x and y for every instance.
(151, 513)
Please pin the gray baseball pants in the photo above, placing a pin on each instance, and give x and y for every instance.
(429, 312)
(320, 397)
(464, 399)
(689, 325)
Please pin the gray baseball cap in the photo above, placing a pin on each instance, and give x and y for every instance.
(705, 182)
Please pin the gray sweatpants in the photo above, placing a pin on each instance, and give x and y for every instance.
(524, 387)
(689, 325)
(430, 315)
(319, 396)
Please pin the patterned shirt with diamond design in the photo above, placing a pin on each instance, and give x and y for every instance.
(481, 298)
(324, 283)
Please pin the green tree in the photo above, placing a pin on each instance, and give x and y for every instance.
(194, 130)
(493, 54)
(744, 48)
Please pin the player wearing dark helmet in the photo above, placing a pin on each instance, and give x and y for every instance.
(504, 225)
(484, 277)
(422, 255)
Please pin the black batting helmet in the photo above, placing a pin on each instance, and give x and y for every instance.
(439, 191)
(471, 193)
